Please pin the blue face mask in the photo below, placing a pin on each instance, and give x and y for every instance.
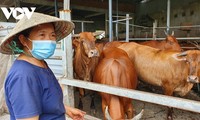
(42, 49)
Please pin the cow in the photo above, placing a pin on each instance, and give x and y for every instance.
(85, 59)
(116, 69)
(170, 43)
(175, 72)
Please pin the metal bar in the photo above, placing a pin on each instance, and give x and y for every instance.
(82, 26)
(119, 16)
(186, 38)
(133, 25)
(82, 21)
(180, 103)
(93, 15)
(129, 18)
(56, 8)
(192, 26)
(116, 25)
(127, 28)
(116, 30)
(168, 16)
(154, 30)
(110, 22)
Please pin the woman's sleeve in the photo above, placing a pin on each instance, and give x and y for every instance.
(24, 94)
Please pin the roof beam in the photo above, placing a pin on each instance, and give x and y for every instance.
(123, 7)
(100, 6)
(95, 14)
(42, 2)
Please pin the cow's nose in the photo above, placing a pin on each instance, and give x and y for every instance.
(93, 53)
(193, 79)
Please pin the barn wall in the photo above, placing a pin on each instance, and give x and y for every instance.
(183, 13)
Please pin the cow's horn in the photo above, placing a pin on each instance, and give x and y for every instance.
(98, 33)
(166, 33)
(176, 57)
(182, 54)
(172, 33)
(138, 116)
(76, 35)
(107, 114)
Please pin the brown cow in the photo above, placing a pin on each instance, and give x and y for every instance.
(173, 71)
(170, 43)
(116, 69)
(85, 59)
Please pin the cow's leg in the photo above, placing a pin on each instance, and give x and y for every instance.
(92, 105)
(81, 94)
(169, 114)
(103, 106)
(129, 110)
(168, 90)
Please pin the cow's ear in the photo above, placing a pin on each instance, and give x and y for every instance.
(75, 43)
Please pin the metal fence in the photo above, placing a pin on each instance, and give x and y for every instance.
(175, 102)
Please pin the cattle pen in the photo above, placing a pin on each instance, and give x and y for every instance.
(153, 103)
(180, 103)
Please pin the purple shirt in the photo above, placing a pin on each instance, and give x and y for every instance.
(31, 90)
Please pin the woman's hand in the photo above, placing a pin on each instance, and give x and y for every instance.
(74, 113)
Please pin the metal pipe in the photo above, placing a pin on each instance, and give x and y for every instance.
(180, 103)
(168, 15)
(133, 25)
(122, 20)
(83, 21)
(116, 29)
(82, 26)
(56, 7)
(127, 28)
(110, 21)
(154, 30)
(192, 26)
(183, 38)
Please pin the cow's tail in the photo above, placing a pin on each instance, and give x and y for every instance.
(115, 73)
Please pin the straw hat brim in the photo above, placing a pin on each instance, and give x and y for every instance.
(62, 29)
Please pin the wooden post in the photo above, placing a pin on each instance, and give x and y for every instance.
(66, 44)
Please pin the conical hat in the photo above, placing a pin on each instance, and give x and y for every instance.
(62, 29)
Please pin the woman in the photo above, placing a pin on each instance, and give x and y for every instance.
(31, 89)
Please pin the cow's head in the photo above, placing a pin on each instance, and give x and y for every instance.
(87, 41)
(172, 43)
(137, 117)
(192, 58)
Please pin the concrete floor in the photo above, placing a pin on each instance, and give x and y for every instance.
(151, 111)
